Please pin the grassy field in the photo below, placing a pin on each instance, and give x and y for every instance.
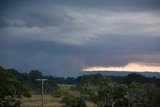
(35, 101)
(66, 87)
(49, 101)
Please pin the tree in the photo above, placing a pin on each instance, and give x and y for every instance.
(84, 86)
(33, 75)
(105, 89)
(134, 77)
(72, 101)
(151, 97)
(49, 85)
(135, 95)
(10, 90)
(109, 93)
(57, 92)
(119, 95)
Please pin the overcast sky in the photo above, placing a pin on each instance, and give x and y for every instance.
(61, 37)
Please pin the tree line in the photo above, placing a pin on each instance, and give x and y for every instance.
(132, 77)
(29, 78)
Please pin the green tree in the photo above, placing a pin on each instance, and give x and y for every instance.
(105, 89)
(72, 101)
(49, 85)
(109, 93)
(57, 92)
(151, 96)
(33, 75)
(135, 95)
(10, 90)
(84, 86)
(119, 99)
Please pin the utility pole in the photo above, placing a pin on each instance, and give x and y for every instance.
(42, 92)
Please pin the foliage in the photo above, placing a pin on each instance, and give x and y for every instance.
(135, 77)
(133, 90)
(10, 90)
(57, 92)
(106, 89)
(72, 101)
(132, 77)
(84, 86)
(142, 95)
(50, 84)
(151, 96)
(109, 93)
(29, 80)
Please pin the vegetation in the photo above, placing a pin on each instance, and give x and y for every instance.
(10, 90)
(133, 90)
(29, 80)
(72, 101)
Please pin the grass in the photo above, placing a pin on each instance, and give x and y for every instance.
(49, 101)
(66, 86)
(35, 101)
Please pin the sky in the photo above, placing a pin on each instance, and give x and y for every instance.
(67, 37)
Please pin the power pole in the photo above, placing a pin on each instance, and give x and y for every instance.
(42, 92)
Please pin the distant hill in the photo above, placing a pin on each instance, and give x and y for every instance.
(122, 73)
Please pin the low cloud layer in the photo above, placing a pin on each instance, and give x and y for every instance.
(62, 37)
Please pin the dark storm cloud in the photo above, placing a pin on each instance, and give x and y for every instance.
(31, 13)
(115, 5)
(35, 13)
(62, 36)
(30, 18)
(66, 59)
(11, 3)
(118, 51)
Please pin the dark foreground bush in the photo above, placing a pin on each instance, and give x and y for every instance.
(72, 101)
(11, 90)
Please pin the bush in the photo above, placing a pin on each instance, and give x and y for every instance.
(10, 90)
(72, 101)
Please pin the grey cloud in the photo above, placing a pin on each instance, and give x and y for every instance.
(120, 50)
(61, 37)
(136, 4)
(31, 18)
(49, 56)
(34, 13)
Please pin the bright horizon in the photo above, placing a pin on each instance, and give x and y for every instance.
(130, 67)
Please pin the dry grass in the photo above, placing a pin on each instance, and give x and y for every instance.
(89, 104)
(35, 101)
(67, 88)
(39, 105)
(49, 101)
